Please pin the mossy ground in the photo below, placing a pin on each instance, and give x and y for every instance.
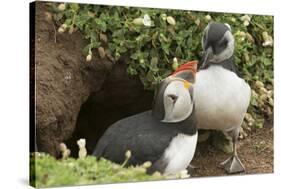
(46, 171)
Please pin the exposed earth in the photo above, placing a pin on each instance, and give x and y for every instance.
(255, 152)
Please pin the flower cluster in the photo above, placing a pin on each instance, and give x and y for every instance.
(268, 41)
(246, 20)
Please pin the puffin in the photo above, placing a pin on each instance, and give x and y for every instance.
(166, 135)
(221, 95)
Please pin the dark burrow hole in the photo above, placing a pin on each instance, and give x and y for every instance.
(120, 96)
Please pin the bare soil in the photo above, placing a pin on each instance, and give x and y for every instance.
(255, 152)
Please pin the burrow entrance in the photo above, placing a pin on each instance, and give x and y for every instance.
(120, 96)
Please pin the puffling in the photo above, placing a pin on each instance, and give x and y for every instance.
(221, 96)
(168, 141)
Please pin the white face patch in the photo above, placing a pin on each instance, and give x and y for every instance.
(180, 107)
(228, 51)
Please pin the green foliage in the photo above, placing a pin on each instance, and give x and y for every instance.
(47, 171)
(149, 46)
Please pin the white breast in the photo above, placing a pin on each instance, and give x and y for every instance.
(180, 153)
(221, 99)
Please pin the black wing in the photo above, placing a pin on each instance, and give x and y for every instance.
(141, 134)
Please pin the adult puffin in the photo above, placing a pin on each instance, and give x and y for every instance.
(166, 135)
(221, 96)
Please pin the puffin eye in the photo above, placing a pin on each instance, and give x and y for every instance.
(220, 47)
(173, 97)
(224, 44)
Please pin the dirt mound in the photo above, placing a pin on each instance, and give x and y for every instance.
(65, 82)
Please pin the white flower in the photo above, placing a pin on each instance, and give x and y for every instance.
(171, 20)
(164, 17)
(246, 20)
(268, 41)
(128, 154)
(246, 23)
(233, 19)
(61, 30)
(138, 21)
(197, 21)
(146, 164)
(146, 20)
(61, 7)
(82, 149)
(81, 143)
(208, 17)
(89, 58)
(175, 60)
(64, 26)
(242, 34)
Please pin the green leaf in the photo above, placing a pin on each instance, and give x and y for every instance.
(74, 7)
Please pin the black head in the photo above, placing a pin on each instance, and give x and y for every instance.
(217, 42)
(158, 109)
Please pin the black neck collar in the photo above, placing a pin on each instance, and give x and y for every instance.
(187, 126)
(226, 64)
